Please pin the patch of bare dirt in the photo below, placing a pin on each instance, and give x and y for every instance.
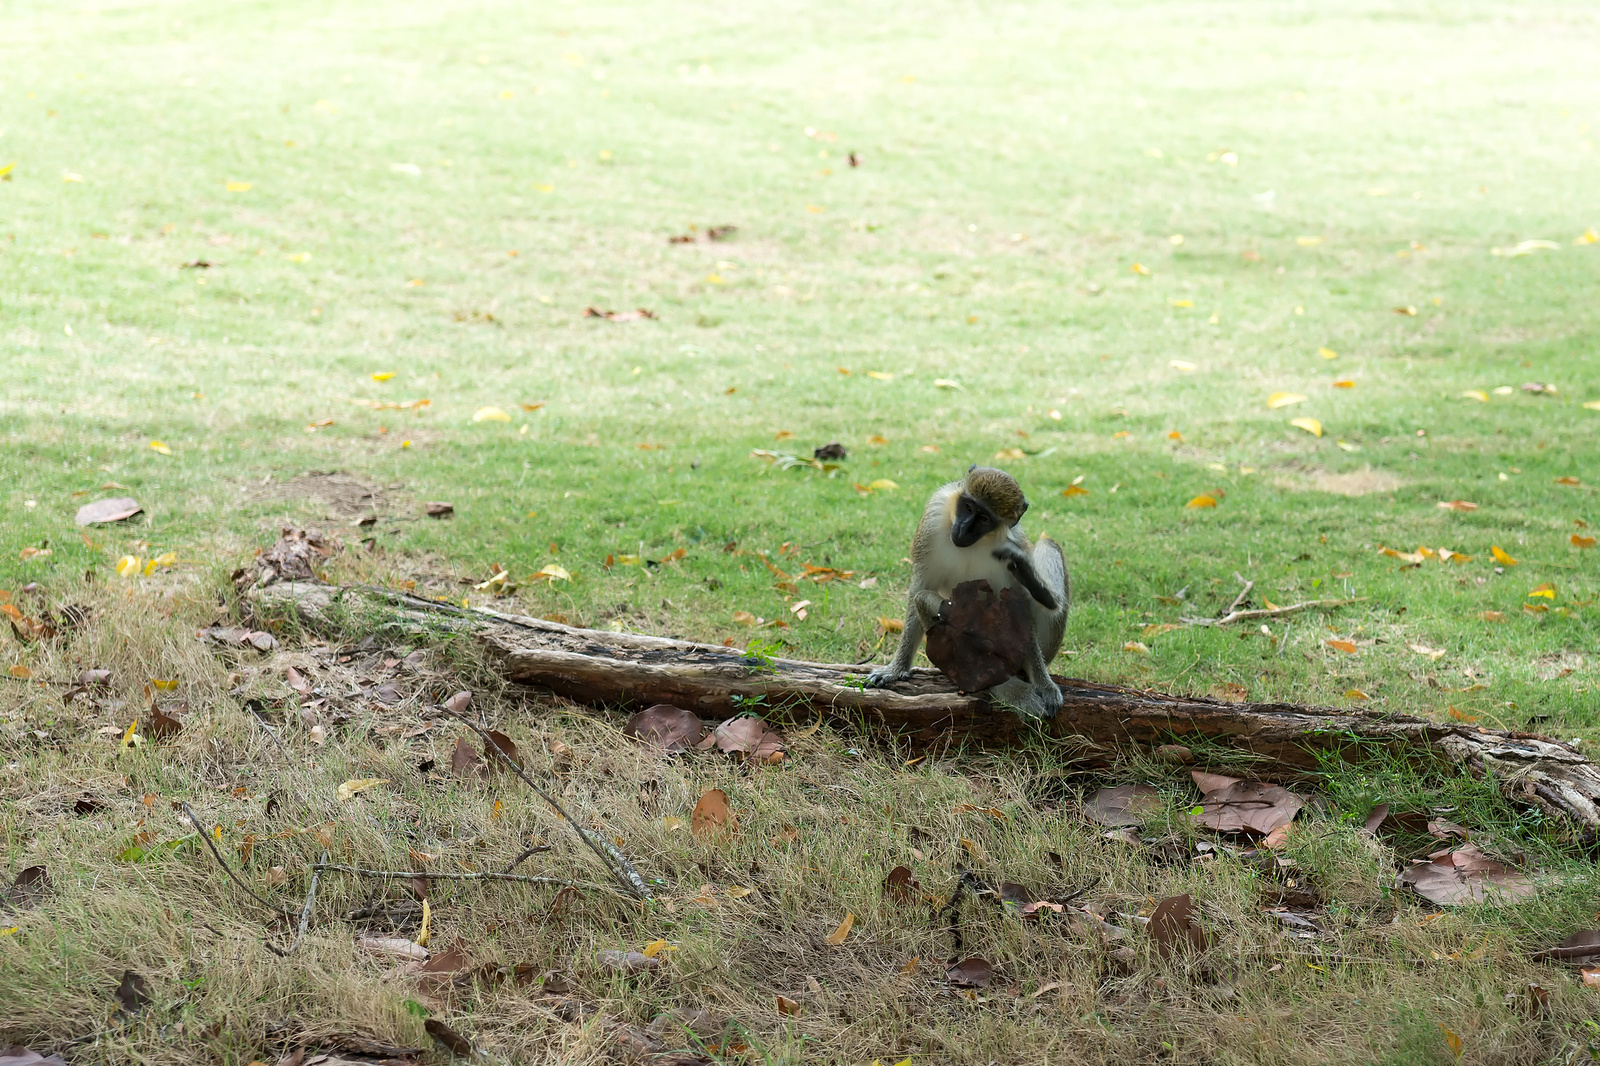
(342, 496)
(1361, 482)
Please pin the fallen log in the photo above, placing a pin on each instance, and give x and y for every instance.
(633, 670)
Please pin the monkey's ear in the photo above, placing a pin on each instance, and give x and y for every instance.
(1024, 509)
(971, 468)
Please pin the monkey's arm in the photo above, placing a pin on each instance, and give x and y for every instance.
(1020, 563)
(922, 609)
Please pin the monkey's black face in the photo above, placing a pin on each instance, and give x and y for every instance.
(972, 523)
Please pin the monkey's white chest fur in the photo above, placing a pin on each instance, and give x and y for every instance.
(973, 563)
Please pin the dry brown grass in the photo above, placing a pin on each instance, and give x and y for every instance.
(815, 838)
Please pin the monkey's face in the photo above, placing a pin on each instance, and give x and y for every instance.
(973, 521)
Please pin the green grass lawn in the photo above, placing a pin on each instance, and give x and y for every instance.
(1083, 242)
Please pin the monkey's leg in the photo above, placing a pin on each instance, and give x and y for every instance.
(921, 611)
(1039, 695)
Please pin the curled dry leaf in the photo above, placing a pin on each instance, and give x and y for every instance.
(665, 729)
(747, 735)
(1172, 927)
(29, 888)
(901, 885)
(629, 962)
(835, 938)
(392, 947)
(1122, 805)
(359, 784)
(162, 724)
(971, 972)
(1466, 875)
(464, 760)
(506, 745)
(1244, 806)
(711, 819)
(113, 509)
(787, 1006)
(134, 992)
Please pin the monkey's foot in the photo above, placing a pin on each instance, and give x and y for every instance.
(1028, 700)
(884, 676)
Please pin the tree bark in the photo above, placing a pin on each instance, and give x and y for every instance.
(632, 670)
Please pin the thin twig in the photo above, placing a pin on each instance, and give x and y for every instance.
(535, 850)
(633, 885)
(305, 912)
(486, 875)
(1268, 612)
(1243, 596)
(263, 722)
(205, 835)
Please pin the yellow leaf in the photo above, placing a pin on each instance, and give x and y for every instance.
(1310, 425)
(68, 175)
(1475, 394)
(5, 171)
(1408, 310)
(490, 414)
(891, 625)
(1568, 481)
(1327, 353)
(9, 930)
(1074, 490)
(298, 257)
(1588, 236)
(383, 375)
(20, 672)
(744, 618)
(1582, 542)
(1341, 645)
(1448, 556)
(1284, 399)
(1457, 505)
(883, 484)
(1535, 608)
(1593, 405)
(836, 937)
(946, 383)
(1010, 453)
(1140, 268)
(1547, 590)
(359, 784)
(240, 186)
(130, 738)
(1137, 647)
(1202, 501)
(160, 447)
(880, 375)
(128, 566)
(1344, 383)
(1181, 303)
(1174, 435)
(1356, 694)
(164, 685)
(1452, 1039)
(554, 572)
(1182, 366)
(427, 915)
(656, 947)
(164, 559)
(1308, 242)
(1500, 555)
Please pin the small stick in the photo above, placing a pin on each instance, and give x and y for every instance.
(1270, 612)
(206, 836)
(1244, 595)
(305, 913)
(486, 875)
(535, 850)
(631, 883)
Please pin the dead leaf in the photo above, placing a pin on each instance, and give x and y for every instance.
(1582, 542)
(27, 891)
(747, 735)
(162, 724)
(1500, 556)
(297, 681)
(1172, 927)
(835, 938)
(506, 745)
(1342, 645)
(711, 819)
(665, 729)
(980, 639)
(1202, 501)
(1451, 1039)
(134, 992)
(1457, 505)
(629, 962)
(1573, 948)
(787, 1006)
(972, 972)
(439, 509)
(357, 785)
(1245, 806)
(458, 1044)
(1122, 805)
(901, 885)
(1310, 425)
(1466, 875)
(1568, 481)
(1284, 399)
(111, 509)
(464, 760)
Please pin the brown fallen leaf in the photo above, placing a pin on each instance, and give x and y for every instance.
(505, 744)
(439, 509)
(1172, 927)
(1244, 806)
(112, 509)
(835, 938)
(1466, 875)
(665, 729)
(747, 735)
(787, 1006)
(1582, 945)
(1122, 805)
(162, 724)
(971, 972)
(711, 819)
(297, 681)
(979, 639)
(619, 316)
(1457, 505)
(134, 992)
(27, 891)
(1342, 645)
(458, 1044)
(901, 885)
(464, 760)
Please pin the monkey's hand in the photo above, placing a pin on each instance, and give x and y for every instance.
(1020, 563)
(886, 675)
